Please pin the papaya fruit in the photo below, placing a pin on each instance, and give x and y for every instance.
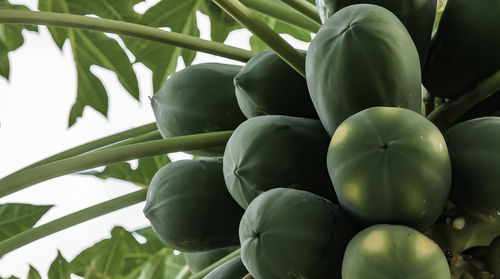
(190, 208)
(272, 151)
(390, 165)
(393, 252)
(493, 257)
(198, 99)
(197, 261)
(289, 233)
(233, 269)
(416, 15)
(267, 85)
(362, 57)
(464, 49)
(475, 159)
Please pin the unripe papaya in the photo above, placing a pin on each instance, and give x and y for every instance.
(464, 49)
(273, 151)
(393, 252)
(475, 159)
(233, 269)
(390, 165)
(267, 85)
(362, 57)
(416, 15)
(198, 99)
(198, 261)
(288, 233)
(189, 207)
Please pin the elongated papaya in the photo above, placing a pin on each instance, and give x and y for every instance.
(273, 151)
(416, 15)
(189, 207)
(233, 269)
(390, 165)
(475, 159)
(197, 261)
(288, 233)
(267, 85)
(393, 252)
(362, 57)
(198, 99)
(464, 49)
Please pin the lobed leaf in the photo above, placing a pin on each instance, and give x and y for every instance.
(16, 218)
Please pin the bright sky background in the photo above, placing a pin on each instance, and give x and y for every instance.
(34, 108)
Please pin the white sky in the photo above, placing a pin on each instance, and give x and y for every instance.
(34, 108)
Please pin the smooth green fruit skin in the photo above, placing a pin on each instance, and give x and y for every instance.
(493, 257)
(416, 15)
(393, 252)
(362, 57)
(475, 158)
(273, 151)
(288, 233)
(198, 261)
(189, 207)
(390, 165)
(198, 99)
(464, 49)
(267, 85)
(233, 269)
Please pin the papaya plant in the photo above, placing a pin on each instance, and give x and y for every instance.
(388, 182)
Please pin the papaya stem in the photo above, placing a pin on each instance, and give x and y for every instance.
(92, 145)
(154, 135)
(26, 178)
(449, 113)
(243, 15)
(213, 266)
(185, 273)
(305, 8)
(283, 13)
(124, 28)
(248, 276)
(72, 219)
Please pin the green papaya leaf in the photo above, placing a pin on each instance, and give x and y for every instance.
(59, 269)
(17, 217)
(94, 48)
(33, 273)
(110, 257)
(11, 277)
(163, 264)
(11, 37)
(140, 176)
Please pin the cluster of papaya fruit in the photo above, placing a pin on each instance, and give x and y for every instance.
(339, 175)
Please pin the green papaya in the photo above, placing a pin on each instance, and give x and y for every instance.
(475, 159)
(198, 261)
(393, 252)
(198, 99)
(289, 233)
(390, 165)
(272, 151)
(267, 85)
(464, 49)
(416, 15)
(189, 207)
(493, 257)
(233, 269)
(362, 57)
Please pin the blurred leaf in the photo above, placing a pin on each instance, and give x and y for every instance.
(153, 243)
(163, 264)
(33, 273)
(59, 269)
(11, 37)
(94, 48)
(140, 176)
(17, 217)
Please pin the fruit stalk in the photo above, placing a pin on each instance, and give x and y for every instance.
(305, 8)
(243, 15)
(67, 221)
(124, 28)
(213, 266)
(26, 178)
(283, 13)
